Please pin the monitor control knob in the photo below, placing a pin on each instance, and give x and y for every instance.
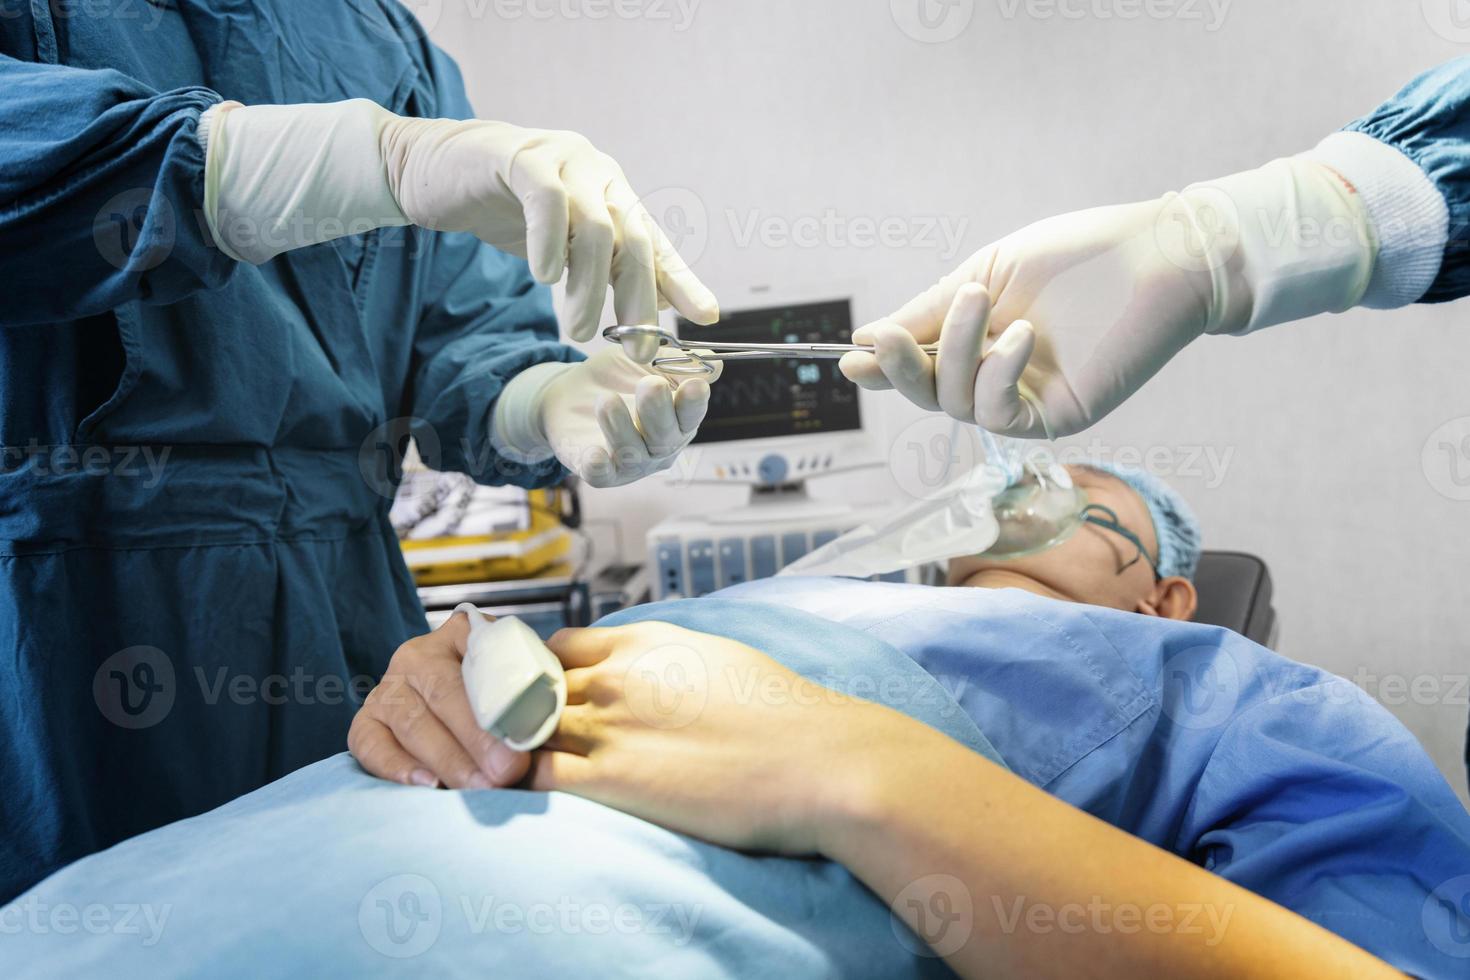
(772, 468)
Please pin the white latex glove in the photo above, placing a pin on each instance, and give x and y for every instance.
(1048, 330)
(607, 419)
(281, 177)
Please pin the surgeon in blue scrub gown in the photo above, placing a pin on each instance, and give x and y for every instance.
(197, 574)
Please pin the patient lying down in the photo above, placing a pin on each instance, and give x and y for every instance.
(1103, 566)
(1001, 783)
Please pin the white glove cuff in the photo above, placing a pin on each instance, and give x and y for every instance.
(1282, 243)
(516, 430)
(1408, 213)
(206, 121)
(278, 178)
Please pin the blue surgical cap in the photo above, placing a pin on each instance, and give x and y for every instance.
(1175, 525)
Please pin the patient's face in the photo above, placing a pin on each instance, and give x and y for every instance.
(1089, 566)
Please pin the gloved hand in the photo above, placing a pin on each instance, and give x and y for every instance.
(607, 419)
(1048, 330)
(281, 177)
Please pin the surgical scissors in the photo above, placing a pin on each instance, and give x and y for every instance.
(642, 344)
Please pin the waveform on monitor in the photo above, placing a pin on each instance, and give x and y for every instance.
(741, 389)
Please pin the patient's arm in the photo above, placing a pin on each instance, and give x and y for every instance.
(710, 737)
(925, 804)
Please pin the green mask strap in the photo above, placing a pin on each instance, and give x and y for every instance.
(1105, 517)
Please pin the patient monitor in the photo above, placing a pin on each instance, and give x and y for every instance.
(772, 426)
(776, 422)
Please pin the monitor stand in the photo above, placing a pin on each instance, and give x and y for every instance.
(781, 502)
(696, 554)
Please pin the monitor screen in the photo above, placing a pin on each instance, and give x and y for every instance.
(786, 397)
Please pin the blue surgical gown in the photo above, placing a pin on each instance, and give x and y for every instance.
(1429, 122)
(197, 573)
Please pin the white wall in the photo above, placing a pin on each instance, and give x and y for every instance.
(787, 108)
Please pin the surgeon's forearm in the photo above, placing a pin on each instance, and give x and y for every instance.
(1007, 881)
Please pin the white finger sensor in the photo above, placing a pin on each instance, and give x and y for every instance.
(517, 687)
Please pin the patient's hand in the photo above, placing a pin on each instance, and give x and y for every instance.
(706, 736)
(416, 727)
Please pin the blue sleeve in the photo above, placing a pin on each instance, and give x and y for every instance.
(1319, 800)
(487, 321)
(1429, 122)
(101, 186)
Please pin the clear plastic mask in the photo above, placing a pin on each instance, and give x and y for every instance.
(956, 521)
(1041, 508)
(1039, 511)
(1019, 502)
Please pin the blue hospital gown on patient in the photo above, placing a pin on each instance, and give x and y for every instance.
(138, 601)
(1289, 781)
(1274, 775)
